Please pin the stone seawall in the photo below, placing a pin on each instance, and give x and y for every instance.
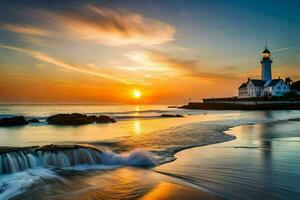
(243, 106)
(211, 101)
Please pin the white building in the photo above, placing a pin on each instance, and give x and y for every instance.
(266, 86)
(276, 87)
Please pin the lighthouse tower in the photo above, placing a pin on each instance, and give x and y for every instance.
(266, 71)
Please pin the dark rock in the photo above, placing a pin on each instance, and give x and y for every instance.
(77, 119)
(69, 119)
(13, 121)
(47, 148)
(295, 119)
(33, 121)
(105, 119)
(53, 147)
(172, 106)
(93, 118)
(170, 115)
(15, 149)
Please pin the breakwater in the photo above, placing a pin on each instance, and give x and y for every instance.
(218, 104)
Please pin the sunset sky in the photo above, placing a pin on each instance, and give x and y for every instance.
(170, 51)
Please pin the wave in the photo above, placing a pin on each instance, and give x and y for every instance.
(133, 158)
(14, 160)
(12, 185)
(21, 168)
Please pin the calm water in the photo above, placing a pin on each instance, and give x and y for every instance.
(262, 163)
(140, 134)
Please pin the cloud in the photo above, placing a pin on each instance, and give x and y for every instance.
(27, 30)
(282, 49)
(101, 25)
(171, 61)
(56, 62)
(115, 27)
(143, 62)
(157, 61)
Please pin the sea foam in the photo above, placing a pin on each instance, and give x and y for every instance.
(133, 158)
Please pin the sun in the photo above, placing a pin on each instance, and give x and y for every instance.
(137, 94)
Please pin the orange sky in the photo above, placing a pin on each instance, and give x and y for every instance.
(93, 53)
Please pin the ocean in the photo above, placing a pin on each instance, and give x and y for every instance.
(145, 156)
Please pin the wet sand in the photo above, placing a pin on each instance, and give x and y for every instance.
(123, 183)
(262, 163)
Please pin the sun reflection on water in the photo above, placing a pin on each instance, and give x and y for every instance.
(137, 127)
(137, 108)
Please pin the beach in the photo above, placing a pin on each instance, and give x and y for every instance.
(203, 155)
(261, 163)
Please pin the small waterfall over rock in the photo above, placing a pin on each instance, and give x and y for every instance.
(71, 157)
(18, 159)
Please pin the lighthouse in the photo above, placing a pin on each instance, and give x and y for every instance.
(266, 86)
(266, 70)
